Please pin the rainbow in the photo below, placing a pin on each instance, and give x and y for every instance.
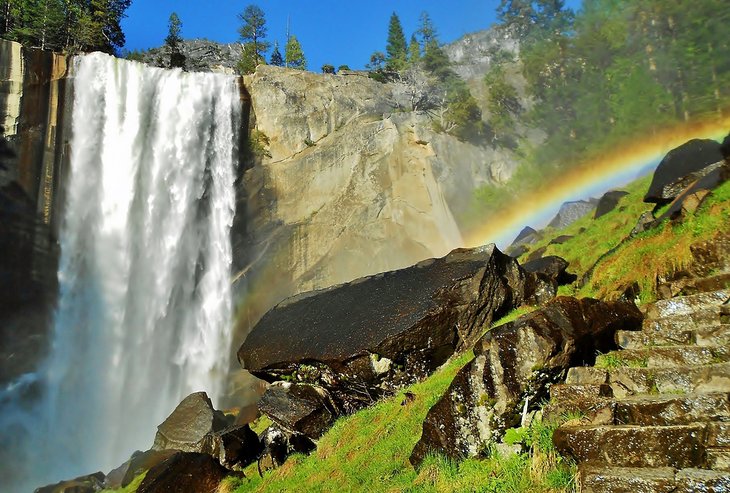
(592, 179)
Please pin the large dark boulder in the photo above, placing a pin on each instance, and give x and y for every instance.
(299, 408)
(136, 465)
(184, 472)
(189, 424)
(361, 339)
(689, 199)
(516, 363)
(194, 426)
(608, 202)
(278, 444)
(680, 167)
(570, 212)
(552, 267)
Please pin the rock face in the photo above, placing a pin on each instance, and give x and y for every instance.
(350, 182)
(514, 364)
(91, 483)
(570, 212)
(680, 167)
(358, 339)
(33, 132)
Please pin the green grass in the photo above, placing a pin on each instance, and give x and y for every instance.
(369, 451)
(615, 360)
(658, 252)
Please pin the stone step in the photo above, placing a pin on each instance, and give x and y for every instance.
(665, 356)
(702, 335)
(648, 410)
(678, 446)
(597, 479)
(719, 459)
(663, 410)
(680, 323)
(686, 305)
(677, 380)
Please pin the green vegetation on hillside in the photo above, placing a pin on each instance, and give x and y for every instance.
(615, 70)
(658, 252)
(369, 451)
(64, 25)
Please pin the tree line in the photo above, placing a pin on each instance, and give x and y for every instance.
(613, 71)
(64, 25)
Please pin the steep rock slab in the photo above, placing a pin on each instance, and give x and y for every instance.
(553, 267)
(515, 363)
(358, 339)
(670, 177)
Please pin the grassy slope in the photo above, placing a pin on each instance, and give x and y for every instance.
(369, 450)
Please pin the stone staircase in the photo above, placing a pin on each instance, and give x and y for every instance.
(654, 416)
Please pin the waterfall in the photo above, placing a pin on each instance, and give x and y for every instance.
(144, 307)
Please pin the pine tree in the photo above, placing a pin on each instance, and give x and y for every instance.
(396, 49)
(253, 34)
(173, 42)
(414, 50)
(276, 58)
(293, 54)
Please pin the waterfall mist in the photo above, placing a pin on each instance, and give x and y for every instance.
(144, 307)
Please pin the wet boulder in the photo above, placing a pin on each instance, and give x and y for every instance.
(680, 167)
(299, 408)
(559, 240)
(84, 484)
(278, 444)
(552, 267)
(194, 426)
(136, 465)
(513, 368)
(361, 339)
(189, 424)
(184, 471)
(689, 199)
(608, 202)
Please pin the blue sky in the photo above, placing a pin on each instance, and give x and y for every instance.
(330, 31)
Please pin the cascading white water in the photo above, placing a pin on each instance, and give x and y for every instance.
(145, 305)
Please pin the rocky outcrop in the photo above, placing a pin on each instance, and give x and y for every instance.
(360, 339)
(680, 167)
(136, 465)
(91, 483)
(570, 212)
(608, 202)
(299, 408)
(513, 368)
(552, 267)
(194, 426)
(184, 471)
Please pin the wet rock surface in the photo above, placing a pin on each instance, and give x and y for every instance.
(680, 167)
(136, 465)
(553, 267)
(299, 408)
(656, 417)
(189, 424)
(184, 471)
(514, 363)
(358, 340)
